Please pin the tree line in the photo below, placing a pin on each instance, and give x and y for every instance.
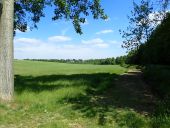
(156, 50)
(107, 61)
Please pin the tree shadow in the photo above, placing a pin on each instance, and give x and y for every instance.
(51, 82)
(104, 92)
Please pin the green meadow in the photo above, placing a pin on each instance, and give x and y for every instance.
(58, 95)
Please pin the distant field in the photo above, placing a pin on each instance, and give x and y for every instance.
(37, 68)
(56, 95)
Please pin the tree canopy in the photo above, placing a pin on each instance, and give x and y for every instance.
(27, 11)
(156, 49)
(140, 25)
(144, 18)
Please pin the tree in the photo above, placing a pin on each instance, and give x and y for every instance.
(143, 20)
(74, 10)
(156, 49)
(19, 13)
(140, 26)
(6, 50)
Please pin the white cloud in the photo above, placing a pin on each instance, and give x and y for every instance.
(103, 45)
(95, 42)
(36, 48)
(70, 46)
(52, 50)
(57, 39)
(114, 42)
(28, 41)
(105, 31)
(155, 18)
(157, 15)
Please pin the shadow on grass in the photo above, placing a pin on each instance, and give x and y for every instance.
(53, 82)
(104, 92)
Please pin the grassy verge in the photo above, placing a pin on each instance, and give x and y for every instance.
(159, 78)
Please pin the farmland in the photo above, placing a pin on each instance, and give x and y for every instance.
(58, 95)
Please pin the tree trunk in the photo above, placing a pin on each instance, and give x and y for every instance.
(6, 50)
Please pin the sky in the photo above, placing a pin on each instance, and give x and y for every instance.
(58, 39)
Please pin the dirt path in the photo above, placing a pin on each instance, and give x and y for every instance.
(130, 91)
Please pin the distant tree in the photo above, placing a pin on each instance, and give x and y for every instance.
(121, 60)
(19, 13)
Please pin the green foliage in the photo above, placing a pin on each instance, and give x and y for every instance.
(141, 25)
(159, 76)
(146, 39)
(75, 10)
(28, 11)
(156, 49)
(107, 61)
(131, 120)
(144, 18)
(161, 122)
(120, 60)
(132, 57)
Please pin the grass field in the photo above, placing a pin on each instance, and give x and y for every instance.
(56, 95)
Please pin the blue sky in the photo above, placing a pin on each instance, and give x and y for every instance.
(58, 39)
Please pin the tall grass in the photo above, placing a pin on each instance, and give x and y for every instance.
(54, 95)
